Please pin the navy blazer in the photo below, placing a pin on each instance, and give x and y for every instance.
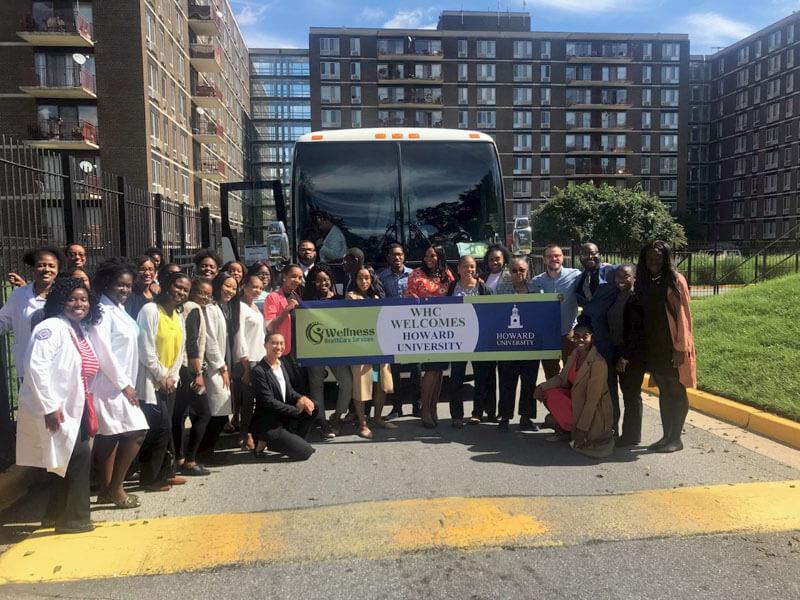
(271, 409)
(597, 308)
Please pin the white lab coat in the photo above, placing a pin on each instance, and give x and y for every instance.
(53, 381)
(151, 371)
(15, 315)
(219, 397)
(114, 413)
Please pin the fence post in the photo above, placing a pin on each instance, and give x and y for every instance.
(764, 267)
(715, 291)
(205, 227)
(123, 232)
(182, 226)
(689, 271)
(68, 208)
(159, 223)
(7, 437)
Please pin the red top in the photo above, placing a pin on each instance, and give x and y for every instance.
(89, 368)
(573, 373)
(424, 286)
(274, 303)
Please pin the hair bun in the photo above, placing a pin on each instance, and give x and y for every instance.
(584, 320)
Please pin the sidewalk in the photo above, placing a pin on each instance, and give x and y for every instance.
(751, 419)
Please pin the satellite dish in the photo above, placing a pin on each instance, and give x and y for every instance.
(86, 166)
(201, 110)
(79, 58)
(219, 14)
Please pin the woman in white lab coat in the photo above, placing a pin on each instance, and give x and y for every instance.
(15, 314)
(122, 424)
(56, 416)
(162, 336)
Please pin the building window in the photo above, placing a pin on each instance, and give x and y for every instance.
(463, 95)
(355, 94)
(523, 72)
(544, 142)
(544, 166)
(669, 143)
(463, 119)
(670, 74)
(669, 97)
(329, 70)
(544, 96)
(522, 142)
(156, 164)
(330, 94)
(670, 51)
(645, 168)
(486, 96)
(668, 187)
(355, 118)
(646, 120)
(668, 165)
(520, 188)
(355, 71)
(647, 74)
(486, 48)
(647, 51)
(329, 46)
(487, 119)
(462, 49)
(523, 49)
(544, 188)
(544, 73)
(523, 96)
(522, 165)
(647, 96)
(486, 72)
(544, 49)
(646, 142)
(355, 46)
(773, 40)
(462, 72)
(522, 119)
(545, 119)
(669, 120)
(331, 118)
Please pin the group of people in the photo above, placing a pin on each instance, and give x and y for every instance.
(154, 364)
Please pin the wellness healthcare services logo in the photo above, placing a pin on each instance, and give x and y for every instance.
(317, 333)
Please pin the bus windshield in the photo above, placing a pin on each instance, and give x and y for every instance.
(416, 193)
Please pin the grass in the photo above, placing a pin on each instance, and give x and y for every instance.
(748, 345)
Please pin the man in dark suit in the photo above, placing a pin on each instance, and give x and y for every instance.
(596, 292)
(282, 418)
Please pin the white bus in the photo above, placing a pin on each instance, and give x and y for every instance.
(415, 186)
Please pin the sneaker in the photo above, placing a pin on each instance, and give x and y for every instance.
(503, 426)
(395, 414)
(457, 423)
(326, 430)
(416, 411)
(559, 437)
(525, 424)
(196, 470)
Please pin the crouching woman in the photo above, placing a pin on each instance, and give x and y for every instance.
(578, 398)
(56, 415)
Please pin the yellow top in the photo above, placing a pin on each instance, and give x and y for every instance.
(168, 337)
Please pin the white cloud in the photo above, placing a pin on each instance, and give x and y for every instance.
(416, 18)
(260, 39)
(370, 14)
(250, 14)
(709, 30)
(583, 6)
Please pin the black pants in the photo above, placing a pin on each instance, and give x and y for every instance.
(673, 403)
(614, 381)
(213, 431)
(484, 399)
(155, 457)
(192, 405)
(287, 435)
(510, 372)
(298, 376)
(68, 505)
(631, 383)
(397, 396)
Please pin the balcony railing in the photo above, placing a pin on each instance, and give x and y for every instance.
(58, 24)
(428, 123)
(212, 168)
(392, 122)
(62, 130)
(73, 76)
(207, 90)
(203, 19)
(205, 56)
(207, 127)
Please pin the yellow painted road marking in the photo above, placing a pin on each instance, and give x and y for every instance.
(372, 530)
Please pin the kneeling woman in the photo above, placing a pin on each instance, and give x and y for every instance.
(56, 415)
(578, 398)
(282, 418)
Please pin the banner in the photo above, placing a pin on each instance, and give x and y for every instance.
(410, 330)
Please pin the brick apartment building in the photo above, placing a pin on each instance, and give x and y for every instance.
(747, 178)
(562, 107)
(155, 90)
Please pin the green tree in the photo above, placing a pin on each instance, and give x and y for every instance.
(619, 219)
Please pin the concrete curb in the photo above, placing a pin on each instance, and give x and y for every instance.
(14, 484)
(752, 419)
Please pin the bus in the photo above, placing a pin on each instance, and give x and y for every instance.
(368, 188)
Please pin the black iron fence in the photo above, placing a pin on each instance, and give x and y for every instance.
(50, 199)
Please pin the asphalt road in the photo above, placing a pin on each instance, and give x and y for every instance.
(414, 463)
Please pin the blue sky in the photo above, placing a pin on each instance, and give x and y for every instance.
(710, 23)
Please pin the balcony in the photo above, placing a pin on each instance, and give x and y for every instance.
(206, 58)
(412, 101)
(212, 169)
(73, 82)
(597, 151)
(206, 131)
(207, 95)
(392, 122)
(596, 56)
(203, 19)
(61, 134)
(57, 29)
